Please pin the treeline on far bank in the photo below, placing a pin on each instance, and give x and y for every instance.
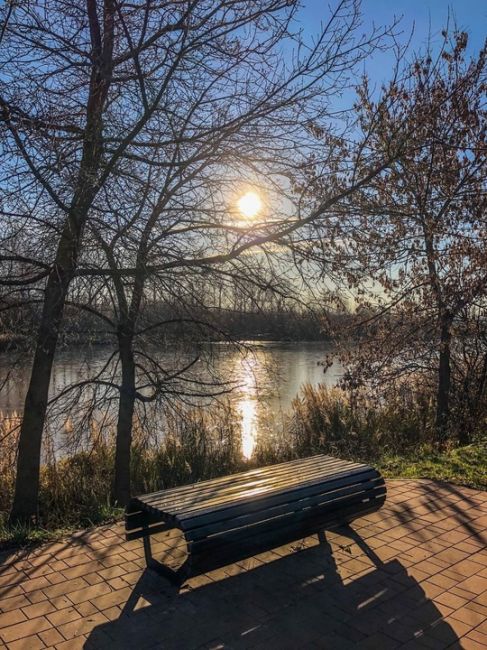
(167, 322)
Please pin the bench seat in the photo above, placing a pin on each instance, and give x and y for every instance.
(235, 516)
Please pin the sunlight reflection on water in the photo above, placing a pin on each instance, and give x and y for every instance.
(248, 411)
(247, 404)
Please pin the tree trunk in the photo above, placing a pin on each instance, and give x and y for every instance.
(24, 506)
(126, 404)
(444, 383)
(445, 322)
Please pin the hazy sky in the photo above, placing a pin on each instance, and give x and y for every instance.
(426, 16)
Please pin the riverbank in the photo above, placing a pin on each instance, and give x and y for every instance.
(394, 435)
(463, 466)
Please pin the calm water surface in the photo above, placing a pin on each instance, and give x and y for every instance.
(267, 376)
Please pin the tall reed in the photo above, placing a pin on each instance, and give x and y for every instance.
(75, 490)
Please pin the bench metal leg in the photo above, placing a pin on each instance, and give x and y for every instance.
(175, 577)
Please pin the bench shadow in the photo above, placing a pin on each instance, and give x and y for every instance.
(302, 599)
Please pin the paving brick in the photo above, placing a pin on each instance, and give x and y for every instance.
(93, 578)
(77, 559)
(451, 555)
(112, 613)
(119, 583)
(114, 598)
(467, 568)
(15, 602)
(38, 609)
(113, 560)
(27, 628)
(81, 570)
(476, 607)
(88, 593)
(12, 565)
(38, 560)
(133, 577)
(10, 591)
(51, 637)
(457, 626)
(467, 595)
(468, 616)
(36, 596)
(81, 625)
(481, 600)
(12, 578)
(453, 537)
(28, 643)
(442, 580)
(12, 617)
(56, 578)
(478, 636)
(63, 616)
(451, 600)
(66, 587)
(475, 584)
(35, 584)
(42, 570)
(467, 643)
(60, 602)
(431, 590)
(86, 608)
(113, 572)
(73, 644)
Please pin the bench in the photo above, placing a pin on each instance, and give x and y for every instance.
(234, 517)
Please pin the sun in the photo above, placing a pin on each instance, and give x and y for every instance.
(250, 204)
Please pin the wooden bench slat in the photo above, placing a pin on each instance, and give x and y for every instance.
(279, 494)
(247, 476)
(235, 500)
(232, 551)
(142, 532)
(296, 522)
(259, 484)
(196, 531)
(138, 519)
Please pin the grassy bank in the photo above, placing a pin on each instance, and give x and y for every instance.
(394, 436)
(462, 465)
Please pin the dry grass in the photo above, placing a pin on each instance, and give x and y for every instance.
(75, 491)
(358, 426)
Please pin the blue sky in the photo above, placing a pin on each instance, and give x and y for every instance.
(426, 16)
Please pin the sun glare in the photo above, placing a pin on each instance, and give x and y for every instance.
(250, 204)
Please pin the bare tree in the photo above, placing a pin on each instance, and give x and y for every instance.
(416, 241)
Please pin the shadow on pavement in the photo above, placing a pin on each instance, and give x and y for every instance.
(301, 600)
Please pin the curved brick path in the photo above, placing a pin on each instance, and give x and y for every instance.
(413, 575)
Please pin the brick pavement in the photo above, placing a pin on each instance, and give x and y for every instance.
(413, 575)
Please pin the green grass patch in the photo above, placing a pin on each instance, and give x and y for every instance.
(462, 465)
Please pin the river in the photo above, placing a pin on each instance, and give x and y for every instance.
(267, 376)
